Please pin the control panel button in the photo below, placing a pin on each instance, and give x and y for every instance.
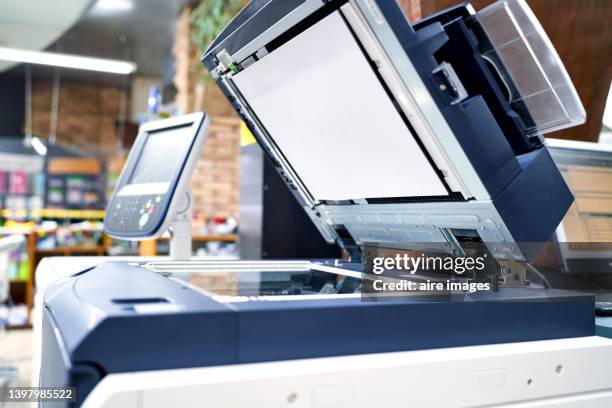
(143, 220)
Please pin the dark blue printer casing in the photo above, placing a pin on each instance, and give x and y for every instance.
(91, 328)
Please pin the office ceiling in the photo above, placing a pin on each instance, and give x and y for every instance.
(138, 30)
(34, 24)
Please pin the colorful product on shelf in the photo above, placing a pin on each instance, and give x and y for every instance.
(84, 234)
(17, 265)
(18, 183)
(23, 271)
(74, 192)
(21, 180)
(75, 183)
(3, 182)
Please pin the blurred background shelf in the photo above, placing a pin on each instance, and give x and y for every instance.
(72, 250)
(152, 247)
(52, 213)
(22, 280)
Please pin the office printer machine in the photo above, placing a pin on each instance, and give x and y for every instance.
(386, 133)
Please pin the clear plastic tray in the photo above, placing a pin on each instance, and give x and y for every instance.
(542, 84)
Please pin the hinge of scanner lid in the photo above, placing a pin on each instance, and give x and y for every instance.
(225, 62)
(448, 83)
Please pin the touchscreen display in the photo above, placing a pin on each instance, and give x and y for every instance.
(160, 155)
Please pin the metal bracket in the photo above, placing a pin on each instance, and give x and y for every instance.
(448, 83)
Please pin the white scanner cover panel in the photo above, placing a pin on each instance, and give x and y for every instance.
(321, 102)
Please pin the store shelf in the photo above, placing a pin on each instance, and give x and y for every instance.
(53, 213)
(6, 213)
(20, 327)
(16, 230)
(68, 250)
(74, 214)
(24, 289)
(211, 237)
(149, 247)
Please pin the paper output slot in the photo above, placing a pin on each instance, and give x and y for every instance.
(139, 301)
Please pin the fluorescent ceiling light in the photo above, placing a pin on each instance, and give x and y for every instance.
(39, 146)
(67, 61)
(113, 5)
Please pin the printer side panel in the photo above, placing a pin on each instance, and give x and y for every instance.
(535, 202)
(482, 141)
(56, 372)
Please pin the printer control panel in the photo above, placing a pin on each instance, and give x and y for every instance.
(155, 175)
(136, 212)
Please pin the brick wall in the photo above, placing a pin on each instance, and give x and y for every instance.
(87, 115)
(216, 179)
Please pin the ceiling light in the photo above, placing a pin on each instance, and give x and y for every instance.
(113, 5)
(67, 61)
(39, 146)
(35, 143)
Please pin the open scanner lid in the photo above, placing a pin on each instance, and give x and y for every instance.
(331, 95)
(315, 99)
(337, 126)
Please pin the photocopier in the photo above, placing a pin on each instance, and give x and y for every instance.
(390, 134)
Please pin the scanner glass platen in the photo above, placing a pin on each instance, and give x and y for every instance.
(239, 281)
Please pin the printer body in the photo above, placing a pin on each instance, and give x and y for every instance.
(386, 133)
(142, 334)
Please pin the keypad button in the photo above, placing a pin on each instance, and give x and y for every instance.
(143, 220)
